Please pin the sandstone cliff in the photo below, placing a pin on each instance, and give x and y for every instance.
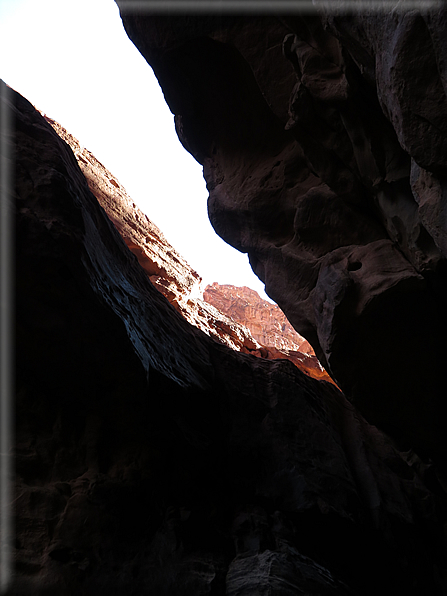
(266, 321)
(268, 325)
(151, 459)
(166, 268)
(323, 140)
(182, 286)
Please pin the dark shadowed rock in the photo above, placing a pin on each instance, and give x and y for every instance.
(323, 143)
(151, 459)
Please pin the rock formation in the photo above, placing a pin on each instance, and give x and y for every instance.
(323, 142)
(166, 268)
(176, 280)
(268, 326)
(265, 320)
(150, 458)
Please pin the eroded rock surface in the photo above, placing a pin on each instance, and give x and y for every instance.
(265, 320)
(151, 459)
(168, 271)
(323, 143)
(182, 286)
(268, 325)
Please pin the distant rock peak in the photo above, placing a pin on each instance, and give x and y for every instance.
(267, 324)
(266, 321)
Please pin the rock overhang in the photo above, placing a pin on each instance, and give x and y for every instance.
(307, 127)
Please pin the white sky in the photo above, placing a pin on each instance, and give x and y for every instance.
(73, 60)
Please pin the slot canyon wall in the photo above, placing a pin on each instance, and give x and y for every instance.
(151, 458)
(323, 144)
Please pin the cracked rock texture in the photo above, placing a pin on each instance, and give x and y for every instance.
(323, 143)
(151, 459)
(166, 268)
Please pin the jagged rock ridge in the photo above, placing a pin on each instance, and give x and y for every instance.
(268, 325)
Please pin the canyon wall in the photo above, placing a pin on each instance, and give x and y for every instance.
(166, 268)
(266, 321)
(150, 458)
(323, 142)
(267, 324)
(182, 286)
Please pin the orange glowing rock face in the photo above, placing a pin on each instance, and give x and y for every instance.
(265, 320)
(268, 325)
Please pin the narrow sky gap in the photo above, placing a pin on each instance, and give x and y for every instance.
(74, 62)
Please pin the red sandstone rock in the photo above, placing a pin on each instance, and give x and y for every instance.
(166, 268)
(162, 263)
(266, 322)
(268, 325)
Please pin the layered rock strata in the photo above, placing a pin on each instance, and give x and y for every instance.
(323, 143)
(175, 279)
(265, 320)
(268, 325)
(151, 459)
